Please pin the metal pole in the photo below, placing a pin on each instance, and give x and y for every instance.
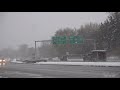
(36, 46)
(94, 45)
(35, 50)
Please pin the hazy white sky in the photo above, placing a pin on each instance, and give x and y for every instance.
(25, 27)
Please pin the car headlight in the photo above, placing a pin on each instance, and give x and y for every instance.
(4, 60)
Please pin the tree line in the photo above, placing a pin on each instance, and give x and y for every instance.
(105, 35)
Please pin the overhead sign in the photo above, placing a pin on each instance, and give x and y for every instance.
(67, 40)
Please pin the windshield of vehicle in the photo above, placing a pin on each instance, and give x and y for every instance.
(47, 42)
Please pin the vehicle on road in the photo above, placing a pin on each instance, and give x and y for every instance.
(95, 56)
(2, 61)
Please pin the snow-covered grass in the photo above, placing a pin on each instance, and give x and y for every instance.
(83, 63)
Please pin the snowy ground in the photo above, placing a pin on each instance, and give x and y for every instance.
(83, 63)
(75, 60)
(111, 61)
(15, 61)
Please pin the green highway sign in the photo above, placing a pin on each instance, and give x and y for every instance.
(75, 39)
(54, 40)
(59, 40)
(63, 40)
(67, 40)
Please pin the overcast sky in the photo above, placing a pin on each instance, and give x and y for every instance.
(25, 27)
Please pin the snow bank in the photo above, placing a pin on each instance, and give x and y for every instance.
(77, 60)
(15, 61)
(83, 63)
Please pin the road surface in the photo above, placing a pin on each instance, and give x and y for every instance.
(14, 70)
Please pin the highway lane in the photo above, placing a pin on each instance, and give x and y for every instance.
(12, 70)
